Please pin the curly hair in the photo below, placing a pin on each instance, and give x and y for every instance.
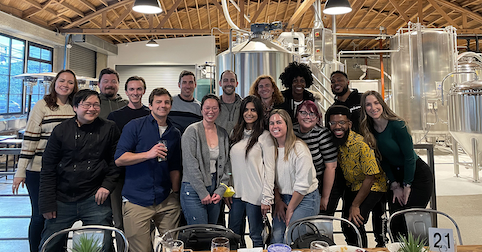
(258, 126)
(277, 96)
(366, 122)
(294, 70)
(51, 98)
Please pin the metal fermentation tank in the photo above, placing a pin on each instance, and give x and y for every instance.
(426, 56)
(252, 58)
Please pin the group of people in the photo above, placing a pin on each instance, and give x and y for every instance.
(107, 161)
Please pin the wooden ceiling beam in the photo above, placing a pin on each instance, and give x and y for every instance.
(299, 11)
(169, 13)
(356, 6)
(443, 13)
(398, 18)
(34, 10)
(366, 14)
(388, 16)
(460, 9)
(286, 11)
(218, 6)
(33, 3)
(400, 10)
(379, 12)
(260, 9)
(198, 15)
(242, 22)
(88, 4)
(89, 16)
(187, 14)
(72, 8)
(420, 11)
(122, 16)
(111, 31)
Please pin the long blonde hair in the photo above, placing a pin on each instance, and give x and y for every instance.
(291, 138)
(366, 122)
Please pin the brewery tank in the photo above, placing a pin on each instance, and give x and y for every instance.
(252, 58)
(425, 57)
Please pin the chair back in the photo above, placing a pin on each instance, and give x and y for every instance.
(91, 231)
(323, 224)
(418, 221)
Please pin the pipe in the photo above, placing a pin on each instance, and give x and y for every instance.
(335, 46)
(67, 38)
(468, 54)
(421, 75)
(410, 59)
(381, 70)
(364, 67)
(228, 18)
(448, 75)
(369, 51)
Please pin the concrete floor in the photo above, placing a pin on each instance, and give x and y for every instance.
(459, 197)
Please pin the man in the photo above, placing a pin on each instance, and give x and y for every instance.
(135, 88)
(152, 182)
(109, 85)
(346, 97)
(365, 181)
(230, 101)
(186, 109)
(78, 171)
(351, 99)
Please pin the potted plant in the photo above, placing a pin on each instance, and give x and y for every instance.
(87, 243)
(412, 244)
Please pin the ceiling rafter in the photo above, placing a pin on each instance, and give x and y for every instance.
(378, 13)
(72, 8)
(343, 22)
(457, 7)
(88, 5)
(258, 12)
(169, 13)
(122, 16)
(443, 13)
(300, 11)
(366, 14)
(401, 11)
(89, 16)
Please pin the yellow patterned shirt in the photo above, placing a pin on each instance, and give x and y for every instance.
(356, 159)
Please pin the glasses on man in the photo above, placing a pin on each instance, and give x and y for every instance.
(306, 113)
(341, 123)
(88, 105)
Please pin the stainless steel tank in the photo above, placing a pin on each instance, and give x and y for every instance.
(468, 65)
(426, 56)
(465, 123)
(250, 59)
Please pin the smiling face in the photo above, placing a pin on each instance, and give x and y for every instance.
(373, 107)
(339, 84)
(340, 125)
(265, 89)
(87, 111)
(210, 110)
(135, 91)
(187, 86)
(64, 85)
(298, 85)
(250, 115)
(307, 119)
(278, 128)
(228, 83)
(109, 85)
(161, 106)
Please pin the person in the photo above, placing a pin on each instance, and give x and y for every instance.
(265, 88)
(47, 113)
(109, 86)
(230, 101)
(185, 108)
(367, 183)
(296, 186)
(351, 99)
(296, 78)
(135, 88)
(323, 152)
(151, 188)
(410, 178)
(253, 167)
(205, 161)
(78, 171)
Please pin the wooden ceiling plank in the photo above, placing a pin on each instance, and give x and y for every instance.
(53, 21)
(198, 15)
(122, 16)
(127, 38)
(260, 9)
(209, 14)
(88, 4)
(401, 11)
(34, 10)
(366, 14)
(350, 20)
(215, 2)
(356, 6)
(384, 19)
(299, 11)
(187, 13)
(178, 18)
(72, 8)
(143, 32)
(460, 9)
(151, 21)
(34, 3)
(169, 13)
(99, 11)
(104, 2)
(104, 20)
(464, 20)
(420, 11)
(276, 11)
(378, 13)
(399, 17)
(443, 13)
(286, 11)
(242, 21)
(118, 40)
(266, 12)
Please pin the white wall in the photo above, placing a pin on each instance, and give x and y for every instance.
(176, 51)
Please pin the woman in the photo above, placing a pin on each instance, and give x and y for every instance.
(45, 115)
(296, 194)
(205, 160)
(296, 78)
(323, 152)
(266, 89)
(252, 162)
(411, 180)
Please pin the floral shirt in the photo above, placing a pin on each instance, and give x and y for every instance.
(357, 160)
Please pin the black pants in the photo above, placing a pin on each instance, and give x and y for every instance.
(421, 191)
(365, 208)
(379, 221)
(337, 191)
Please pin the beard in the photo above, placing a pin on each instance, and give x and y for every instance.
(341, 93)
(341, 141)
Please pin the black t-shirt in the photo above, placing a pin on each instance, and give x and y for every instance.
(353, 103)
(125, 114)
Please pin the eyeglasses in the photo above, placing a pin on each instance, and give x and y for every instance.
(305, 114)
(341, 123)
(214, 109)
(88, 105)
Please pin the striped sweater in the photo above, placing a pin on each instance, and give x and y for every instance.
(40, 124)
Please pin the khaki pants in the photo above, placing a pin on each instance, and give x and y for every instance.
(137, 221)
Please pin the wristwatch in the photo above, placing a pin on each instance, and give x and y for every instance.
(407, 185)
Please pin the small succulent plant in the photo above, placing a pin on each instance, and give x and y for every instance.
(86, 244)
(411, 244)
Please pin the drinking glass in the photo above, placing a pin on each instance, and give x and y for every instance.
(220, 244)
(319, 246)
(164, 142)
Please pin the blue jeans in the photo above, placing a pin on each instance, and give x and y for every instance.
(85, 210)
(255, 219)
(194, 211)
(37, 220)
(309, 206)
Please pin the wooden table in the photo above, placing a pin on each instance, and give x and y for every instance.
(460, 248)
(7, 142)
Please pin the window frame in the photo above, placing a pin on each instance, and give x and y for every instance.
(25, 42)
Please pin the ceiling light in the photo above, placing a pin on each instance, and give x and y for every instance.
(336, 7)
(147, 6)
(152, 43)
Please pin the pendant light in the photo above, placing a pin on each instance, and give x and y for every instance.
(147, 6)
(336, 7)
(152, 43)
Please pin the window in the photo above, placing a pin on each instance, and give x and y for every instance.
(12, 54)
(39, 60)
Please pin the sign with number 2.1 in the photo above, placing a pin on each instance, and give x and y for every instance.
(441, 239)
